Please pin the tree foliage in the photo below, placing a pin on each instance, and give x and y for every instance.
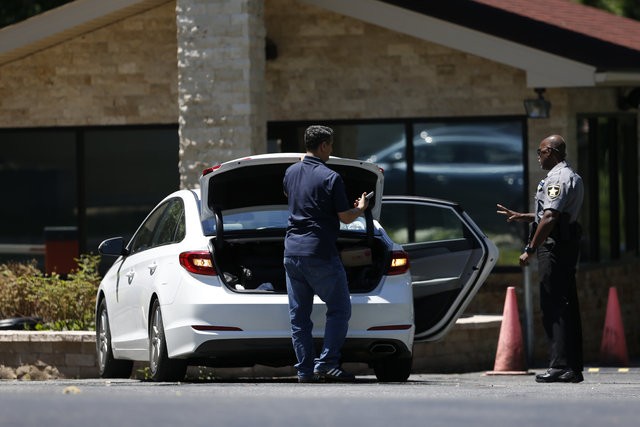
(12, 11)
(628, 8)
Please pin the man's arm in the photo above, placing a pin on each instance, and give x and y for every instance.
(545, 227)
(515, 216)
(548, 221)
(347, 217)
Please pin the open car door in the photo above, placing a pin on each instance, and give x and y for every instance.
(450, 258)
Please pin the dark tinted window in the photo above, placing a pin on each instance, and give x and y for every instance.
(101, 182)
(163, 226)
(420, 223)
(171, 227)
(477, 162)
(143, 239)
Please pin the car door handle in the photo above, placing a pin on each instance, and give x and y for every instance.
(130, 275)
(152, 268)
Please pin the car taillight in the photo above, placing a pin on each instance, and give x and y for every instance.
(209, 170)
(198, 262)
(399, 263)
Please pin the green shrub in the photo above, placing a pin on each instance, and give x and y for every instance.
(13, 293)
(62, 304)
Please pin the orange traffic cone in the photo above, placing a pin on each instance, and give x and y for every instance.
(510, 358)
(613, 349)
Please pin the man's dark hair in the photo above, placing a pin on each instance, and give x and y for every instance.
(316, 135)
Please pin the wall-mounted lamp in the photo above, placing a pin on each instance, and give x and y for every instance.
(537, 108)
(630, 101)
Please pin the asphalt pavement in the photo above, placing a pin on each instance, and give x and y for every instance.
(607, 397)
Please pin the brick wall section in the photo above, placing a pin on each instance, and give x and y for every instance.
(125, 73)
(221, 60)
(333, 66)
(72, 353)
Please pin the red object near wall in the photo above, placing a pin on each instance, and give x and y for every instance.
(613, 349)
(61, 249)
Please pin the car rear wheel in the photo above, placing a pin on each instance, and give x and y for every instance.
(393, 370)
(161, 366)
(108, 366)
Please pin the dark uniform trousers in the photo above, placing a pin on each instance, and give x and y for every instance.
(557, 259)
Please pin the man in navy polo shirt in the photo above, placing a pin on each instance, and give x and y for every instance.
(317, 203)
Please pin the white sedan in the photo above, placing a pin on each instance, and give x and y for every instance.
(202, 280)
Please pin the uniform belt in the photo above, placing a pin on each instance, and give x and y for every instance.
(566, 231)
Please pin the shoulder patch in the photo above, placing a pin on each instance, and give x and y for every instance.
(553, 191)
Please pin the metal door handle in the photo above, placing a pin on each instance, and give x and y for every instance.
(152, 268)
(130, 275)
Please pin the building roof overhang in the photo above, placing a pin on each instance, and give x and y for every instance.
(564, 57)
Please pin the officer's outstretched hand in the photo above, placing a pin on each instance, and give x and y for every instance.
(510, 214)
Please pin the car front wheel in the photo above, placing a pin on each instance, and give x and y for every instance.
(393, 370)
(108, 366)
(161, 366)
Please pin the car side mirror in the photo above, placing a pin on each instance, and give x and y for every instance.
(113, 247)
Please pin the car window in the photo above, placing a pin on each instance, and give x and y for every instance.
(420, 223)
(144, 236)
(163, 226)
(170, 228)
(462, 152)
(249, 220)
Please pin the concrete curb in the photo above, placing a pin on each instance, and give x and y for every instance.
(469, 346)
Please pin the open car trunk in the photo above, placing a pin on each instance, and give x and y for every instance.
(247, 240)
(256, 264)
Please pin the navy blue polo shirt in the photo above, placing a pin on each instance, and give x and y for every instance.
(316, 194)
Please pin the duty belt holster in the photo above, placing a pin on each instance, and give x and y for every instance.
(565, 230)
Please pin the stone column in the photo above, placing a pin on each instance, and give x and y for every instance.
(221, 75)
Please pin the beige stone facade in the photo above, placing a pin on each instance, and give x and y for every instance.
(333, 66)
(221, 77)
(121, 74)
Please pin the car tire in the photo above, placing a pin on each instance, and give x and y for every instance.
(162, 368)
(393, 370)
(108, 366)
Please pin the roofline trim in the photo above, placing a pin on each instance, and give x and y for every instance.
(65, 22)
(618, 78)
(542, 68)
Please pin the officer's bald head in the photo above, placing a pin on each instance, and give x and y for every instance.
(559, 146)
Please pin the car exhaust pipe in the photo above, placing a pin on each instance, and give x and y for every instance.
(386, 349)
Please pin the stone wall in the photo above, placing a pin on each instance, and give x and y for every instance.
(121, 74)
(73, 354)
(469, 346)
(331, 66)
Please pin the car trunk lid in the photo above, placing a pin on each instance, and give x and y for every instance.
(256, 181)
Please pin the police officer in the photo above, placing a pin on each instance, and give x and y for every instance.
(555, 236)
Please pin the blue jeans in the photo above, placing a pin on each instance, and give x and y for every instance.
(306, 277)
